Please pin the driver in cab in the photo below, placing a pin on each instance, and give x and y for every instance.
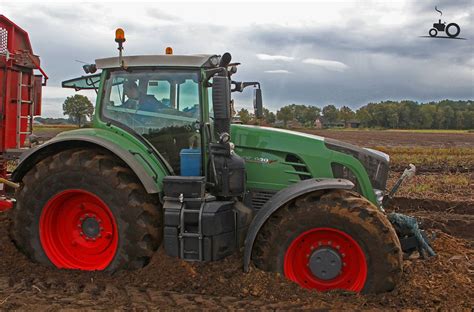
(138, 100)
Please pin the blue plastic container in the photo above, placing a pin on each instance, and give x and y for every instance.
(190, 162)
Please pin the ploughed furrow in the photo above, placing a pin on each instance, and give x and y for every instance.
(454, 218)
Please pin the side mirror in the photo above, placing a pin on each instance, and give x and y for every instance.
(221, 103)
(257, 103)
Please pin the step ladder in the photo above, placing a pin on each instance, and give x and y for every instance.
(191, 237)
(20, 102)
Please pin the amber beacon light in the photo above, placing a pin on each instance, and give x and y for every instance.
(119, 35)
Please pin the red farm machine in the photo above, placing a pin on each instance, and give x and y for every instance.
(20, 97)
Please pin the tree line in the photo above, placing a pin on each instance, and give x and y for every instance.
(445, 114)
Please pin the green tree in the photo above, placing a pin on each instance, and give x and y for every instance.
(330, 113)
(427, 116)
(285, 114)
(244, 116)
(78, 108)
(346, 113)
(268, 116)
(312, 112)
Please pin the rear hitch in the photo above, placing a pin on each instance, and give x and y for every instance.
(5, 202)
(408, 230)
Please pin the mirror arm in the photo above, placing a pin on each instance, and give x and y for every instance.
(212, 72)
(240, 86)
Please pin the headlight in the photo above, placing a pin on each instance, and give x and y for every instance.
(379, 196)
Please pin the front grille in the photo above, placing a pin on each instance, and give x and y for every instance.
(376, 166)
(342, 172)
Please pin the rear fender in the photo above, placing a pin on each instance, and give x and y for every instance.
(282, 197)
(150, 177)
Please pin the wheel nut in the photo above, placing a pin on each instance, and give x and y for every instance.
(82, 233)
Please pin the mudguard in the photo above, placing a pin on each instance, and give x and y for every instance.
(282, 197)
(35, 155)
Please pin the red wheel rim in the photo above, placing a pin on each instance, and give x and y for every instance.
(78, 231)
(353, 272)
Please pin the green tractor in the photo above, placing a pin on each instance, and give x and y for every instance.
(163, 166)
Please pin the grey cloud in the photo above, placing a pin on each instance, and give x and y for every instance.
(385, 62)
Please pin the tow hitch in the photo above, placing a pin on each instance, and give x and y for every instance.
(411, 237)
(5, 202)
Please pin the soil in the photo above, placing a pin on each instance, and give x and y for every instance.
(397, 138)
(441, 282)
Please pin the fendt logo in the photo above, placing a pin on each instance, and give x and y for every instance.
(452, 30)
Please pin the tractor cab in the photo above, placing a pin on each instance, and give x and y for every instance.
(164, 99)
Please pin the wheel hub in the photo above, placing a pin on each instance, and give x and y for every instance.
(91, 227)
(78, 231)
(325, 259)
(325, 263)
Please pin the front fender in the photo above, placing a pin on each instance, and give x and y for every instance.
(149, 174)
(282, 197)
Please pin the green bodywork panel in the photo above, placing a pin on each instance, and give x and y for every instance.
(264, 149)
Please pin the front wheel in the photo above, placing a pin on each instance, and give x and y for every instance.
(84, 209)
(333, 240)
(433, 32)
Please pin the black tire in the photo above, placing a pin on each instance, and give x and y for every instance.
(433, 32)
(453, 35)
(341, 210)
(137, 214)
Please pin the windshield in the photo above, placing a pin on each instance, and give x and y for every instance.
(161, 105)
(149, 100)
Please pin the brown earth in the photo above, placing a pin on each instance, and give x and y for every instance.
(442, 282)
(397, 138)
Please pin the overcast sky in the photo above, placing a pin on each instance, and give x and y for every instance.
(318, 53)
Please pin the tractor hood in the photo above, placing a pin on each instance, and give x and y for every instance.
(320, 155)
(272, 138)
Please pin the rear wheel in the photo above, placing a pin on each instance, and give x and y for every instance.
(453, 30)
(333, 240)
(84, 209)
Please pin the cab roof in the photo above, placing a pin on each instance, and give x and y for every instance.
(197, 60)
